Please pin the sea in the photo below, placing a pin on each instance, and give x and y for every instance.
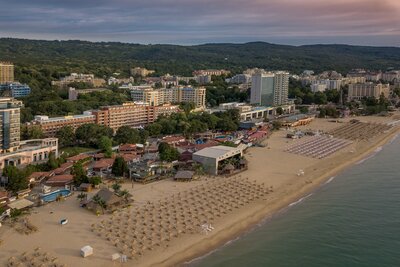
(351, 220)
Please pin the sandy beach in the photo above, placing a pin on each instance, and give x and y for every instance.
(166, 224)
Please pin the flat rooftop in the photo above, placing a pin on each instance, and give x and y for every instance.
(215, 151)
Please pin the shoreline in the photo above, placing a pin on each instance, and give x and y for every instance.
(236, 230)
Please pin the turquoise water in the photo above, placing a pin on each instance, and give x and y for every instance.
(53, 195)
(352, 221)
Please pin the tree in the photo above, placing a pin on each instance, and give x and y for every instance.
(303, 109)
(127, 135)
(279, 110)
(167, 152)
(154, 129)
(81, 196)
(31, 132)
(90, 134)
(116, 187)
(124, 194)
(105, 144)
(52, 161)
(187, 107)
(17, 179)
(66, 136)
(79, 174)
(95, 180)
(119, 167)
(144, 135)
(100, 202)
(276, 125)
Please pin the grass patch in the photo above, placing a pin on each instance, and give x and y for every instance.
(75, 150)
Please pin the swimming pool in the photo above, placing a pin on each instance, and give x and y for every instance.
(53, 195)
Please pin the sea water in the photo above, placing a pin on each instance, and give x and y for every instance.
(352, 220)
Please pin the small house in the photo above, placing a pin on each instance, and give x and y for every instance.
(60, 180)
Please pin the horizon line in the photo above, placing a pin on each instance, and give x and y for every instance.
(197, 44)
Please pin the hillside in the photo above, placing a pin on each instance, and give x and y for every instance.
(104, 58)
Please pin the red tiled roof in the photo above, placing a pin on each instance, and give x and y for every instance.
(127, 147)
(208, 144)
(129, 156)
(103, 163)
(3, 194)
(60, 179)
(65, 166)
(173, 139)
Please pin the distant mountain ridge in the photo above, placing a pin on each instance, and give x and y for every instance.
(103, 58)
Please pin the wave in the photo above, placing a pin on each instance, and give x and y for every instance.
(188, 263)
(330, 180)
(376, 151)
(300, 200)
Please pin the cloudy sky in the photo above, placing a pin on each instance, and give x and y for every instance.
(365, 22)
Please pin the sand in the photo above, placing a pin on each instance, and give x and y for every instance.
(270, 168)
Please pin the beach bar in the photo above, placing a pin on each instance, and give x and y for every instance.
(211, 156)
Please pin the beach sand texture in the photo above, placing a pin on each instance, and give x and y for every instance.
(166, 225)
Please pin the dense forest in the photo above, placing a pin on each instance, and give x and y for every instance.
(105, 58)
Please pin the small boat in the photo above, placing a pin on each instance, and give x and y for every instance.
(63, 221)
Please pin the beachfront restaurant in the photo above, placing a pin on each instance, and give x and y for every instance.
(211, 157)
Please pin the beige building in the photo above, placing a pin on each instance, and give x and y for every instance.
(9, 124)
(211, 72)
(358, 91)
(30, 152)
(155, 97)
(50, 126)
(6, 72)
(143, 72)
(130, 114)
(80, 77)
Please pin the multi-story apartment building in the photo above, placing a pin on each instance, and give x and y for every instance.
(148, 95)
(143, 72)
(9, 124)
(155, 97)
(317, 85)
(240, 79)
(391, 76)
(358, 91)
(130, 114)
(79, 77)
(50, 126)
(6, 72)
(211, 72)
(74, 93)
(15, 89)
(270, 88)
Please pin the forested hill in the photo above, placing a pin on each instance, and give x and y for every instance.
(104, 58)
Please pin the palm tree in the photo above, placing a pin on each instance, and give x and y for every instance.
(82, 196)
(99, 201)
(116, 187)
(125, 194)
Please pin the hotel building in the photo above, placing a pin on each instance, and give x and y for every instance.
(50, 126)
(155, 97)
(358, 91)
(270, 88)
(143, 72)
(6, 72)
(15, 89)
(131, 114)
(211, 72)
(9, 124)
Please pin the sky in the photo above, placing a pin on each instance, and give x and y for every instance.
(295, 22)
